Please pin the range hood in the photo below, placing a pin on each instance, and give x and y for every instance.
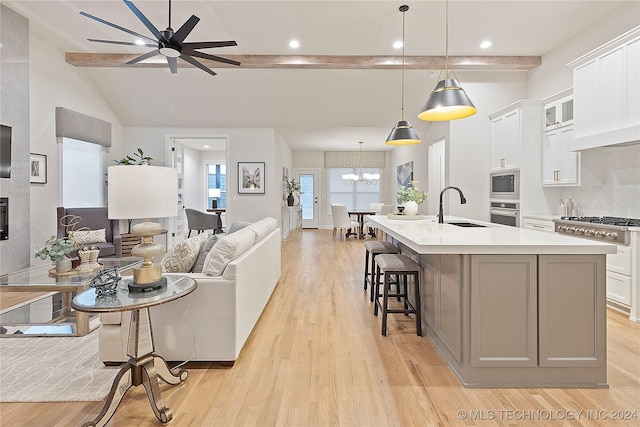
(616, 137)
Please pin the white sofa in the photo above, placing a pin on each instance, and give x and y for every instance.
(213, 322)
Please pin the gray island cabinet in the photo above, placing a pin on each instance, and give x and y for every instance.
(510, 307)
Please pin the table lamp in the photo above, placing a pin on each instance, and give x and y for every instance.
(214, 193)
(143, 192)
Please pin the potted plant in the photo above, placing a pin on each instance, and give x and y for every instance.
(291, 186)
(411, 197)
(138, 159)
(56, 250)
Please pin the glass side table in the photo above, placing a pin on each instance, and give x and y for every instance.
(144, 366)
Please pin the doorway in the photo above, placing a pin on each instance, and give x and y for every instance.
(309, 183)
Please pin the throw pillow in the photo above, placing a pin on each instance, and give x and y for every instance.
(85, 237)
(263, 227)
(204, 251)
(180, 258)
(226, 250)
(237, 225)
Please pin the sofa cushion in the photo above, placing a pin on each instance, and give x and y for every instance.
(263, 227)
(226, 249)
(85, 237)
(237, 225)
(180, 258)
(204, 251)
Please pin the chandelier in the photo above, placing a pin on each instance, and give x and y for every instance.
(366, 178)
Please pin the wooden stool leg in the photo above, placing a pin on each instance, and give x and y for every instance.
(418, 306)
(366, 269)
(385, 303)
(376, 289)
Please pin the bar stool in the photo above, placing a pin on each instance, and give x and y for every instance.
(375, 247)
(402, 266)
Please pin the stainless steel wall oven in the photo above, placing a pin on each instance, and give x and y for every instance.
(505, 213)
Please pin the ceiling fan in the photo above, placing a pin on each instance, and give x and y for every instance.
(167, 42)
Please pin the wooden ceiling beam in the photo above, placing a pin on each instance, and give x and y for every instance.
(517, 63)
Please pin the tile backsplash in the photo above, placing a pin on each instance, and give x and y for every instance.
(610, 182)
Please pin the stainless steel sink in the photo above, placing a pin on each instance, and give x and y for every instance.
(466, 224)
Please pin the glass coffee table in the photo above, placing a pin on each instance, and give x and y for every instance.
(50, 313)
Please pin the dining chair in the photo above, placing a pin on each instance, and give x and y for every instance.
(384, 210)
(200, 221)
(341, 219)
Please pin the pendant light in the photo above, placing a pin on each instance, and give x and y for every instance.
(402, 133)
(448, 101)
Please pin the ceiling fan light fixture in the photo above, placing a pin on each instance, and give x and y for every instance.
(403, 133)
(448, 100)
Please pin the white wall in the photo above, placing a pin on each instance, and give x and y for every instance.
(54, 83)
(245, 145)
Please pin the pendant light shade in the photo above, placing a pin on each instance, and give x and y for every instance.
(448, 101)
(403, 133)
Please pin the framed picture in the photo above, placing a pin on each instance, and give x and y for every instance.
(38, 168)
(404, 174)
(251, 177)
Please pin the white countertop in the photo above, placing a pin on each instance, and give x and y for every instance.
(426, 236)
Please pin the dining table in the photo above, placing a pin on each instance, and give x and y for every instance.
(360, 214)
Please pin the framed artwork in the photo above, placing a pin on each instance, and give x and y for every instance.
(251, 177)
(404, 174)
(38, 168)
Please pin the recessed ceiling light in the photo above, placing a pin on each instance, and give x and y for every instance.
(485, 44)
(140, 42)
(294, 44)
(397, 45)
(206, 146)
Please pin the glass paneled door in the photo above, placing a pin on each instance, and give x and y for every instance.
(309, 179)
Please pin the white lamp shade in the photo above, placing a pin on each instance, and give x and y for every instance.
(142, 191)
(214, 192)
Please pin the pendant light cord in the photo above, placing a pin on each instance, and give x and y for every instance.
(169, 13)
(446, 38)
(402, 94)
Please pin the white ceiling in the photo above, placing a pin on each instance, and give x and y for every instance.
(310, 109)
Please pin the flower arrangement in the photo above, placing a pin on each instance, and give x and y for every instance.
(411, 193)
(55, 249)
(292, 186)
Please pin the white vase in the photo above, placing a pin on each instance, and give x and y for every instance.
(410, 208)
(64, 265)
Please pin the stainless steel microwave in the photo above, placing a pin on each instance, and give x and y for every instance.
(505, 185)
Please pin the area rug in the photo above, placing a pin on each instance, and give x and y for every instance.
(53, 369)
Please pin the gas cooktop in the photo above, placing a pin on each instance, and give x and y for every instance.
(606, 220)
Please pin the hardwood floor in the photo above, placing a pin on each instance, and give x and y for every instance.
(317, 358)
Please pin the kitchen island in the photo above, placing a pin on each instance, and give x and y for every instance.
(510, 307)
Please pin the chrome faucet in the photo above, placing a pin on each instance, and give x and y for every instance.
(440, 211)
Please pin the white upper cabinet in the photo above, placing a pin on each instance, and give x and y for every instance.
(606, 93)
(560, 165)
(510, 127)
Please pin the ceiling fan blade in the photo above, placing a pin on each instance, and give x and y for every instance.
(146, 22)
(133, 33)
(214, 58)
(197, 64)
(206, 45)
(173, 64)
(123, 43)
(182, 33)
(143, 57)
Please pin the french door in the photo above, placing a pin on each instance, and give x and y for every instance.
(309, 182)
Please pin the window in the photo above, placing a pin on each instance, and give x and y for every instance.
(217, 178)
(354, 196)
(83, 175)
